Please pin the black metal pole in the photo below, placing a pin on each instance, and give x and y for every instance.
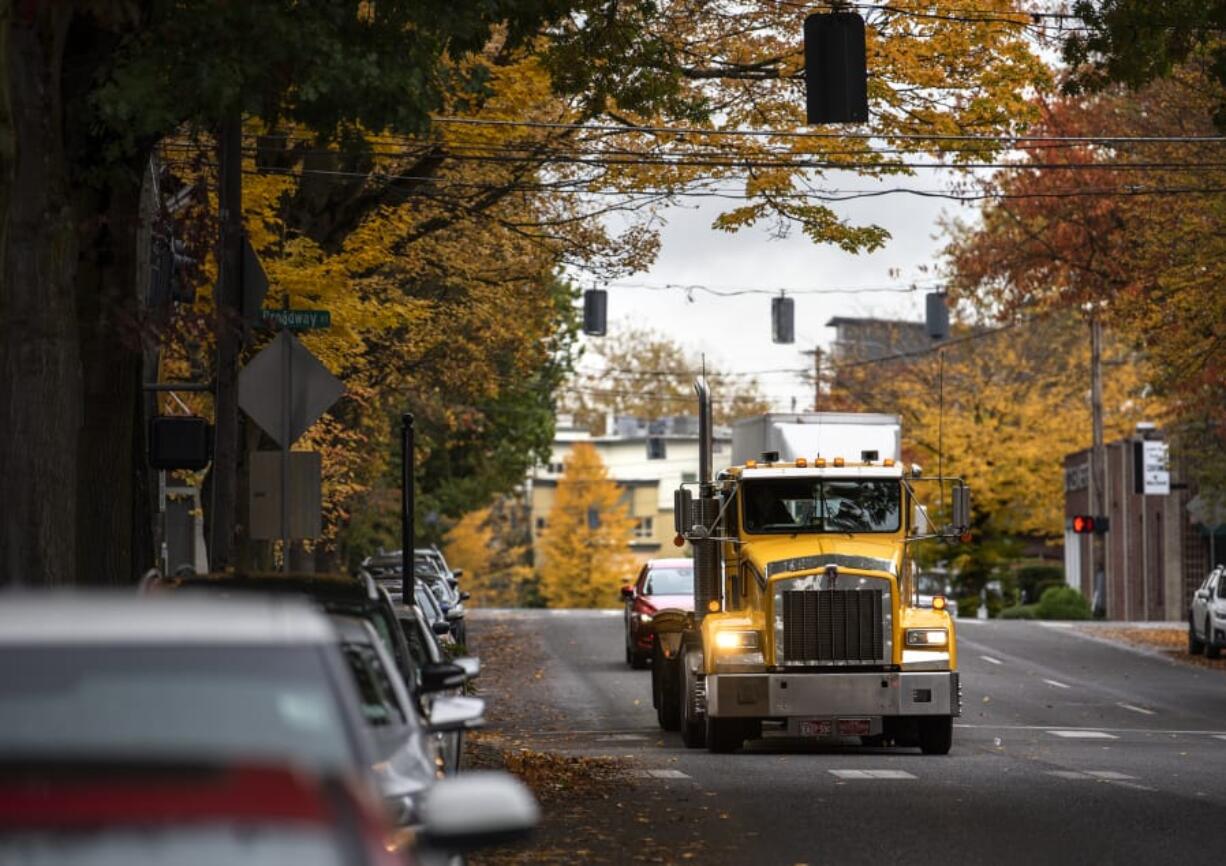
(406, 508)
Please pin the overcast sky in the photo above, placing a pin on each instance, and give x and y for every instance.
(735, 332)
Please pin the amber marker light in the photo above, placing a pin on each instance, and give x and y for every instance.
(938, 602)
(713, 606)
(838, 461)
(820, 462)
(889, 461)
(751, 464)
(801, 463)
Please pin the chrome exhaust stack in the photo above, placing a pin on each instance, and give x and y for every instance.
(708, 558)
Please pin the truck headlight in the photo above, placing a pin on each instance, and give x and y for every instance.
(732, 641)
(926, 638)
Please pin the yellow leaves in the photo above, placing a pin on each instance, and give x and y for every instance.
(584, 559)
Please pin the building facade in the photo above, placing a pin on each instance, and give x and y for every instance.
(647, 459)
(1157, 551)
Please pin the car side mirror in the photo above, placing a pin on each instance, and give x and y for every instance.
(440, 676)
(452, 582)
(458, 572)
(440, 628)
(628, 592)
(471, 666)
(476, 810)
(454, 614)
(465, 596)
(455, 713)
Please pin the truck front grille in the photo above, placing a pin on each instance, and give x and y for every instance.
(833, 625)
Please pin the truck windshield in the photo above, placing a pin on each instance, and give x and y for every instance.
(821, 505)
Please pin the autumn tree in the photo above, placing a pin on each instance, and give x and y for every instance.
(1015, 402)
(1130, 232)
(583, 549)
(643, 373)
(493, 545)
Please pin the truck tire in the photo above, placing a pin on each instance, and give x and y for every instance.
(1212, 650)
(693, 724)
(1196, 646)
(936, 734)
(664, 677)
(724, 735)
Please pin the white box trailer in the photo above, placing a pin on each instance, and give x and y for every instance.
(817, 434)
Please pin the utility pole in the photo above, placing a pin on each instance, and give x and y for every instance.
(228, 298)
(1098, 460)
(817, 377)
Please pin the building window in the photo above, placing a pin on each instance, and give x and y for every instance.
(689, 477)
(655, 448)
(644, 527)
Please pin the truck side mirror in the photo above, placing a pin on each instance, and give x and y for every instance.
(962, 508)
(683, 510)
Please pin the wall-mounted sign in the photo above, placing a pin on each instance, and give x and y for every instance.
(1151, 467)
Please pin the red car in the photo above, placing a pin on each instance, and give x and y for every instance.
(80, 813)
(662, 583)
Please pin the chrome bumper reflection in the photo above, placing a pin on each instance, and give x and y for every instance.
(779, 695)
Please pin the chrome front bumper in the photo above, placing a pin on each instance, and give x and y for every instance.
(780, 695)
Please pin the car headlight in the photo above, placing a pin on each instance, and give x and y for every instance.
(731, 641)
(926, 638)
(644, 617)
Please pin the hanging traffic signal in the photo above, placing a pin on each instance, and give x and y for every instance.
(1087, 524)
(836, 72)
(783, 320)
(595, 312)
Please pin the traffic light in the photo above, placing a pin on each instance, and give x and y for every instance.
(1086, 524)
(783, 320)
(595, 311)
(836, 73)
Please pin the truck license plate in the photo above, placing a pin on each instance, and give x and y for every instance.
(815, 728)
(853, 727)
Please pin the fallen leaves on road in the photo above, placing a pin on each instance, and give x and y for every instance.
(1172, 641)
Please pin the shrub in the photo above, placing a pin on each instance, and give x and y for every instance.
(968, 607)
(995, 604)
(1033, 580)
(1062, 602)
(1020, 611)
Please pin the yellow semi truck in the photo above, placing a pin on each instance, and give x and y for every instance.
(806, 619)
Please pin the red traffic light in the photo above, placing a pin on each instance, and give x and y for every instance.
(1083, 523)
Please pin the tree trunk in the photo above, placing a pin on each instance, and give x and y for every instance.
(107, 494)
(40, 367)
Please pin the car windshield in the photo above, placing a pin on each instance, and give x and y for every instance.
(821, 505)
(375, 691)
(195, 844)
(669, 580)
(198, 701)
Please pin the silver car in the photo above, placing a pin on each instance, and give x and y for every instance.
(1207, 616)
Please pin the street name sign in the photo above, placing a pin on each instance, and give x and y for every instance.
(298, 320)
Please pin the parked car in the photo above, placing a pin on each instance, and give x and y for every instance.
(1207, 616)
(92, 678)
(365, 599)
(661, 583)
(383, 564)
(157, 813)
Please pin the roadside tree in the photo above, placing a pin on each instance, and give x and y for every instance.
(583, 554)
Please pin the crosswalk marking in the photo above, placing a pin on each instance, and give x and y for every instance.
(991, 660)
(1084, 735)
(1057, 684)
(871, 774)
(660, 774)
(1135, 709)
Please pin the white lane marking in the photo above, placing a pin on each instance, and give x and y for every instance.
(1056, 624)
(1057, 684)
(1083, 735)
(619, 738)
(660, 774)
(871, 774)
(1149, 731)
(1109, 775)
(1067, 774)
(1220, 736)
(1134, 786)
(991, 660)
(1136, 709)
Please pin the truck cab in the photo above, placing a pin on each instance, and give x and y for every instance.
(806, 615)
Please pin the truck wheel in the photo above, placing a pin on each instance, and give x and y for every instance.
(724, 735)
(668, 708)
(936, 734)
(693, 725)
(1212, 650)
(1196, 646)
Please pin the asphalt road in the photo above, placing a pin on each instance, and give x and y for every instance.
(1069, 750)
